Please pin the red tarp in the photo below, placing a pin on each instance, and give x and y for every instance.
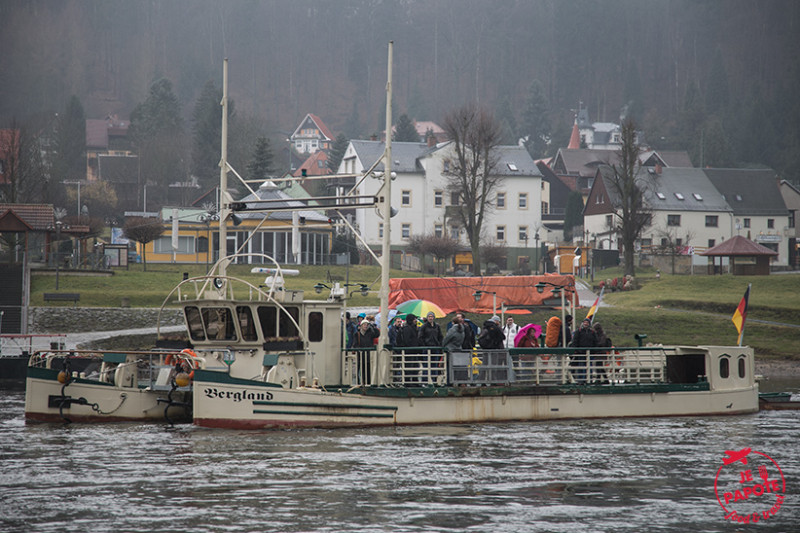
(456, 294)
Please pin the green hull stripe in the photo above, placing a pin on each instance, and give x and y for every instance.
(325, 414)
(327, 406)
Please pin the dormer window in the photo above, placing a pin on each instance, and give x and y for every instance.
(661, 196)
(738, 197)
(697, 197)
(679, 196)
(512, 167)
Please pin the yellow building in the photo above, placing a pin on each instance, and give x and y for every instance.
(290, 237)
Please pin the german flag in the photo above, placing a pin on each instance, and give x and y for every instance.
(740, 314)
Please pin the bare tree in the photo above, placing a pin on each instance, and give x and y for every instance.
(672, 245)
(475, 135)
(443, 248)
(494, 254)
(628, 188)
(143, 230)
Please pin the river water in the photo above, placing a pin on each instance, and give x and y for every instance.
(585, 475)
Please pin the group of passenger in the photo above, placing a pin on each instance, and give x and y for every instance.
(463, 334)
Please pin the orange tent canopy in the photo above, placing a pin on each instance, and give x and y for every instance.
(457, 294)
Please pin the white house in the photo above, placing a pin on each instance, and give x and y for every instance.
(421, 195)
(694, 208)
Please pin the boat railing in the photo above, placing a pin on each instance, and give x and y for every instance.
(417, 366)
(151, 368)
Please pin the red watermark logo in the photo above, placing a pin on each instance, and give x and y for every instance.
(749, 486)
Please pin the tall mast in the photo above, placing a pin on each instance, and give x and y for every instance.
(224, 197)
(383, 355)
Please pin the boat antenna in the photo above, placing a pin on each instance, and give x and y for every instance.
(385, 198)
(224, 198)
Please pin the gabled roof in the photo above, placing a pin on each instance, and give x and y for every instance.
(675, 158)
(582, 161)
(312, 118)
(515, 160)
(674, 189)
(315, 165)
(404, 154)
(738, 246)
(422, 127)
(750, 192)
(270, 191)
(36, 217)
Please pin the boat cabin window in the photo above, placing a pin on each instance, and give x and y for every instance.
(219, 323)
(315, 326)
(275, 324)
(742, 367)
(286, 327)
(724, 367)
(195, 323)
(246, 323)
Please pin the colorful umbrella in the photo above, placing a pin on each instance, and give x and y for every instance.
(421, 308)
(524, 331)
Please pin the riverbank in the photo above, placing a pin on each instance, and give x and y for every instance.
(778, 368)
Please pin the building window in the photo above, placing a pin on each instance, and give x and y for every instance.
(446, 164)
(791, 219)
(163, 245)
(405, 231)
(771, 223)
(712, 221)
(455, 198)
(678, 242)
(501, 200)
(545, 208)
(747, 223)
(712, 243)
(438, 198)
(523, 200)
(501, 233)
(609, 220)
(380, 230)
(523, 234)
(454, 232)
(438, 230)
(673, 220)
(405, 198)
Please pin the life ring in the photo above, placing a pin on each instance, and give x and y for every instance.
(187, 356)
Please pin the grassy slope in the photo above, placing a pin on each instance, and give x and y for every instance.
(673, 310)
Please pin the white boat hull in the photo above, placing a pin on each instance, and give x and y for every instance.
(44, 402)
(249, 406)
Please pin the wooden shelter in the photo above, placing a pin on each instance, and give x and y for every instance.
(746, 257)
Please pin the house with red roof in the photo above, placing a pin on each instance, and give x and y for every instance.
(311, 135)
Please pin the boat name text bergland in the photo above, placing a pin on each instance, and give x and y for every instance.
(236, 396)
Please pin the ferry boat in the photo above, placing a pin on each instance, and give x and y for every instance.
(275, 359)
(264, 356)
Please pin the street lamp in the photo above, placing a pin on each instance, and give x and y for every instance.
(538, 252)
(479, 294)
(58, 242)
(557, 290)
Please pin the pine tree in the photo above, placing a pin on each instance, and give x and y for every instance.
(70, 162)
(260, 166)
(535, 122)
(206, 133)
(405, 130)
(157, 132)
(337, 152)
